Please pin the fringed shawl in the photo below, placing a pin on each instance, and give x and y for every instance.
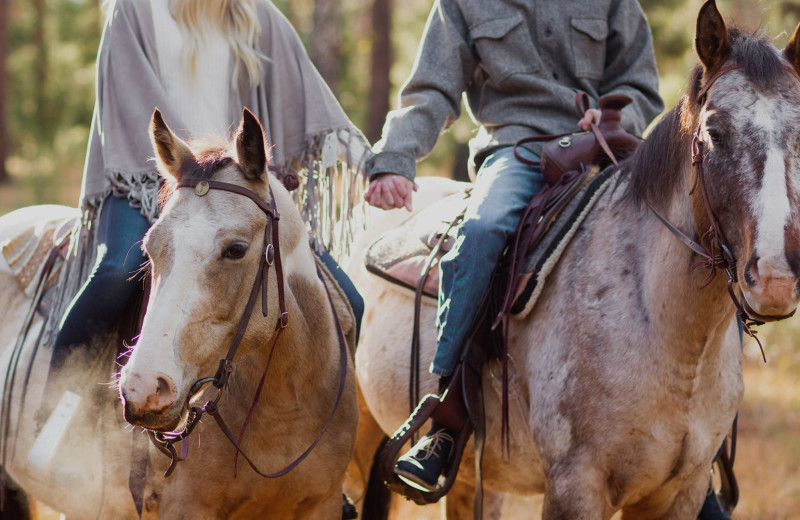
(300, 114)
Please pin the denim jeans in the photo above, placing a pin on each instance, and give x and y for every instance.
(111, 287)
(350, 291)
(503, 188)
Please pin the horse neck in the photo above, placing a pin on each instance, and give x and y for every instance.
(693, 312)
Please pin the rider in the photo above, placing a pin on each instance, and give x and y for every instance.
(520, 65)
(199, 62)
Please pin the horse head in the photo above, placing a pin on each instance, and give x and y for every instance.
(741, 111)
(205, 252)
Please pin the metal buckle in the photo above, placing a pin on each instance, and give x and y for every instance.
(269, 254)
(565, 142)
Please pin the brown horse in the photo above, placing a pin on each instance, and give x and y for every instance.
(205, 253)
(626, 375)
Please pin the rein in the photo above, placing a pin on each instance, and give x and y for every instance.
(717, 253)
(165, 441)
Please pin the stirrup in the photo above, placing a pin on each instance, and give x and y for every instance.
(391, 453)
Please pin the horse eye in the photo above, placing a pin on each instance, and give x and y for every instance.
(715, 137)
(235, 251)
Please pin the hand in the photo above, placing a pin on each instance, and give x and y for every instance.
(592, 115)
(390, 191)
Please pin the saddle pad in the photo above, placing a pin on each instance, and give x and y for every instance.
(400, 254)
(541, 261)
(27, 252)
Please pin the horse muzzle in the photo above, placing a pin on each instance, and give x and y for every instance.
(151, 403)
(769, 293)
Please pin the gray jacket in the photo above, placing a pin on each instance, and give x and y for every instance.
(520, 64)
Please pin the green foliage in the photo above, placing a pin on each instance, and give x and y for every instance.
(51, 83)
(51, 89)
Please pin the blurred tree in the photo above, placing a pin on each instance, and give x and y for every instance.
(3, 53)
(381, 59)
(326, 41)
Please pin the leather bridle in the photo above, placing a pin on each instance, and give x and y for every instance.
(165, 441)
(712, 247)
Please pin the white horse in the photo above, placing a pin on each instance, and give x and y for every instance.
(626, 376)
(205, 253)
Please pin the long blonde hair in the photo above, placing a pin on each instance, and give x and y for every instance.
(237, 20)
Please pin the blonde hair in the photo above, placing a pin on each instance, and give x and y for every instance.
(237, 20)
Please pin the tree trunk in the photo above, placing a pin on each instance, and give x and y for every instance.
(381, 64)
(3, 90)
(326, 41)
(40, 66)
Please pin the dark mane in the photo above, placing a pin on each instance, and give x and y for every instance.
(655, 180)
(655, 169)
(201, 167)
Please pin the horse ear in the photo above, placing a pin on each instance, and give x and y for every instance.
(171, 151)
(251, 147)
(711, 39)
(792, 50)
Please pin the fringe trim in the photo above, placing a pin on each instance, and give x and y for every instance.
(328, 197)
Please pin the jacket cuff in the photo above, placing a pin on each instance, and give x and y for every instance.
(392, 162)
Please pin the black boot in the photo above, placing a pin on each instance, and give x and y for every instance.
(426, 461)
(349, 511)
(712, 509)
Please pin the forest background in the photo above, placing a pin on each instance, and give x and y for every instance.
(365, 49)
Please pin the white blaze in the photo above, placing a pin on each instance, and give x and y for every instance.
(772, 206)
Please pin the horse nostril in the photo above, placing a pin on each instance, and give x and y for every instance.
(751, 276)
(164, 388)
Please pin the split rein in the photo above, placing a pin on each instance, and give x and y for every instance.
(165, 441)
(718, 254)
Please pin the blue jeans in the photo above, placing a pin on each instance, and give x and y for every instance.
(503, 188)
(350, 291)
(112, 286)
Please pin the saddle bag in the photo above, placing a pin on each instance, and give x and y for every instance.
(574, 152)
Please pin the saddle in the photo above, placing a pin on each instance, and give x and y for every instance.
(407, 255)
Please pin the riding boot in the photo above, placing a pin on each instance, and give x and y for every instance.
(712, 509)
(425, 462)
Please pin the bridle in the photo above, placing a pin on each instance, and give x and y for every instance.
(712, 247)
(165, 441)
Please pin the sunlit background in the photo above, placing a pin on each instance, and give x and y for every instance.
(48, 49)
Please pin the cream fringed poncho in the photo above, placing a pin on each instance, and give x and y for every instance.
(294, 104)
(297, 109)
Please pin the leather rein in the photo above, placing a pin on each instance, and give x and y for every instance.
(165, 441)
(716, 254)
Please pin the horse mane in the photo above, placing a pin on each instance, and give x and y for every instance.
(654, 175)
(201, 166)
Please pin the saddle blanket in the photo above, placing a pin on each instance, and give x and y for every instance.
(401, 254)
(27, 252)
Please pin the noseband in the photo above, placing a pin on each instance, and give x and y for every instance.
(717, 253)
(165, 441)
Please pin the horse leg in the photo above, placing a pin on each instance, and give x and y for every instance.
(459, 502)
(576, 490)
(16, 505)
(690, 499)
(359, 484)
